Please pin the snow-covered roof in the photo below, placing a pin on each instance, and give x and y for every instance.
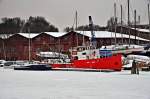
(32, 35)
(142, 30)
(98, 34)
(107, 34)
(29, 35)
(56, 34)
(5, 36)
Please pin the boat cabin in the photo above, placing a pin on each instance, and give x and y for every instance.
(89, 52)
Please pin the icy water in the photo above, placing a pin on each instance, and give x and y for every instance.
(73, 85)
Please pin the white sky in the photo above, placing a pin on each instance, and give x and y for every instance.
(61, 13)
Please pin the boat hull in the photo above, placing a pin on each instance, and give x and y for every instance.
(109, 63)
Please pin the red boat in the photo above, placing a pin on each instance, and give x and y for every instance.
(92, 59)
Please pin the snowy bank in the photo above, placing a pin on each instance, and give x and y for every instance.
(73, 85)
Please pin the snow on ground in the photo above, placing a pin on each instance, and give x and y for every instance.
(73, 85)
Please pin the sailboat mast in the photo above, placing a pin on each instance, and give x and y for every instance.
(115, 22)
(76, 21)
(135, 25)
(29, 46)
(83, 43)
(5, 57)
(121, 24)
(129, 19)
(139, 21)
(149, 19)
(128, 12)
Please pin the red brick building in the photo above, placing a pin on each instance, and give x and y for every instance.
(16, 47)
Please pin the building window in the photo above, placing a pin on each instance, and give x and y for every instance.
(13, 50)
(66, 38)
(38, 39)
(52, 39)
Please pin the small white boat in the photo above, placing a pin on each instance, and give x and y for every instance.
(33, 67)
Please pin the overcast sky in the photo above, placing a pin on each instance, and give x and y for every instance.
(61, 13)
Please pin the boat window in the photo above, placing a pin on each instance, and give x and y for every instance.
(127, 47)
(84, 53)
(76, 58)
(101, 56)
(87, 57)
(80, 49)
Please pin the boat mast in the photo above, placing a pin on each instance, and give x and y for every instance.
(76, 21)
(115, 22)
(139, 21)
(83, 43)
(29, 46)
(135, 25)
(129, 19)
(121, 24)
(149, 19)
(5, 57)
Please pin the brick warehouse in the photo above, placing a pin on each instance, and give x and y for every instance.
(16, 46)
